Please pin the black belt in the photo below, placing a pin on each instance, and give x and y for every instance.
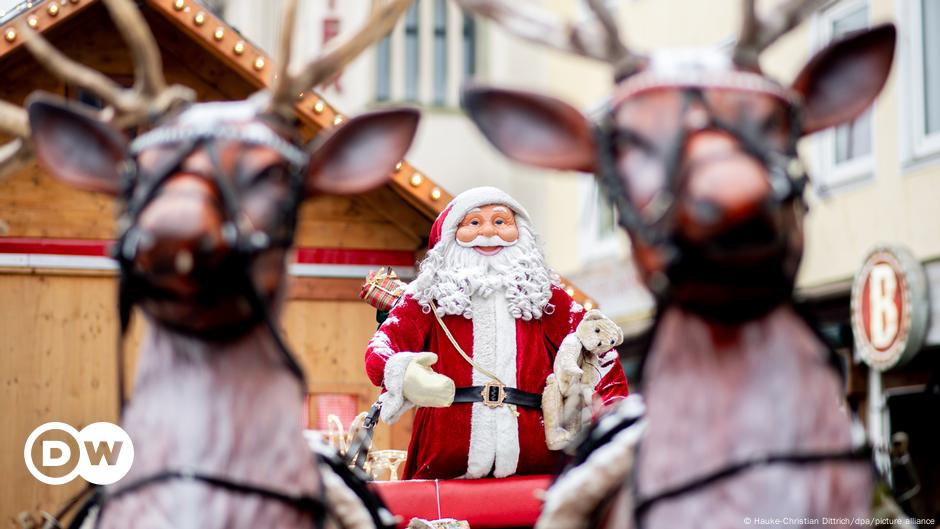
(494, 395)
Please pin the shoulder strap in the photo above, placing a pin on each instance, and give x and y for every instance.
(460, 350)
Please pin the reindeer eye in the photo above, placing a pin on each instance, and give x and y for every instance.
(597, 330)
(272, 174)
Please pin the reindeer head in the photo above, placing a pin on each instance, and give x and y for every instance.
(697, 150)
(210, 191)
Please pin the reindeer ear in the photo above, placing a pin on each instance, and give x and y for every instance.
(74, 146)
(362, 153)
(843, 79)
(532, 129)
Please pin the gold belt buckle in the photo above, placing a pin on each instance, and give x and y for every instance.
(493, 394)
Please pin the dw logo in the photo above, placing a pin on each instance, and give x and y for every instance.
(101, 453)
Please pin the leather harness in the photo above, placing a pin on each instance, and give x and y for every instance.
(138, 192)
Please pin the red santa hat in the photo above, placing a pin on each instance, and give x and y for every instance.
(445, 227)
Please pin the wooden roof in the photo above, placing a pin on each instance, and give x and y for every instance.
(421, 194)
(225, 43)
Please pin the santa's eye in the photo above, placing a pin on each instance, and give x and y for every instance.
(474, 223)
(500, 222)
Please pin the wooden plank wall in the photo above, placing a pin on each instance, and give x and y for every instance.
(58, 331)
(35, 205)
(57, 363)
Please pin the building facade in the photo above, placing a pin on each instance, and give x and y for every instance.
(431, 54)
(874, 180)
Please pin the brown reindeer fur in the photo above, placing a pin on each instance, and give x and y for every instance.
(230, 410)
(718, 395)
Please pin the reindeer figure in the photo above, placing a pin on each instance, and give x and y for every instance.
(209, 198)
(743, 416)
(13, 121)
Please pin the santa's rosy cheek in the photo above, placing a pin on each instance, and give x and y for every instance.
(467, 233)
(509, 232)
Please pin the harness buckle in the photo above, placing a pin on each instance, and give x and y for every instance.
(493, 394)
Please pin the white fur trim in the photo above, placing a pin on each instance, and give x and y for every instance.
(607, 361)
(494, 433)
(569, 502)
(344, 503)
(380, 343)
(474, 198)
(394, 403)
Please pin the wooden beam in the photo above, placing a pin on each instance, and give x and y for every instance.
(45, 16)
(314, 112)
(324, 289)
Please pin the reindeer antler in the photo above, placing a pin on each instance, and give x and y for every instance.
(525, 20)
(286, 86)
(13, 121)
(150, 96)
(757, 33)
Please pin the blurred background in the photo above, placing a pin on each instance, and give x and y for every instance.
(875, 181)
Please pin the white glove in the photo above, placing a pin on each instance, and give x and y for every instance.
(423, 387)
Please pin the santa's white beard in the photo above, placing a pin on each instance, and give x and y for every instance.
(451, 275)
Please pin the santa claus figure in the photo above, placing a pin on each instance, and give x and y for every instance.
(471, 344)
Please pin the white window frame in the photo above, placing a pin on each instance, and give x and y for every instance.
(917, 145)
(594, 245)
(828, 174)
(453, 60)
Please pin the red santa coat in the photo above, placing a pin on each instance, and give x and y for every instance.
(441, 437)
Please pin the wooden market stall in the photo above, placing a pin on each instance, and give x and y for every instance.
(57, 285)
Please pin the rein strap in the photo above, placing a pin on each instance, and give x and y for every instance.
(853, 455)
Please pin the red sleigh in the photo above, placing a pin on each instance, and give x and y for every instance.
(492, 502)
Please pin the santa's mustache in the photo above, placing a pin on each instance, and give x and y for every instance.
(481, 240)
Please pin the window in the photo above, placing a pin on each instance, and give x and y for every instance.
(854, 139)
(469, 46)
(320, 406)
(606, 215)
(930, 77)
(920, 79)
(440, 51)
(217, 7)
(602, 239)
(412, 52)
(844, 154)
(383, 70)
(428, 56)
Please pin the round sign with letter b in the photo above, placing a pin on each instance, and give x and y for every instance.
(889, 308)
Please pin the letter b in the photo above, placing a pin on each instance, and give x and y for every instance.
(883, 313)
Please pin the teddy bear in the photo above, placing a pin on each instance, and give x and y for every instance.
(567, 397)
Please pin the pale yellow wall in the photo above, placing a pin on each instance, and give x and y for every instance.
(899, 204)
(896, 205)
